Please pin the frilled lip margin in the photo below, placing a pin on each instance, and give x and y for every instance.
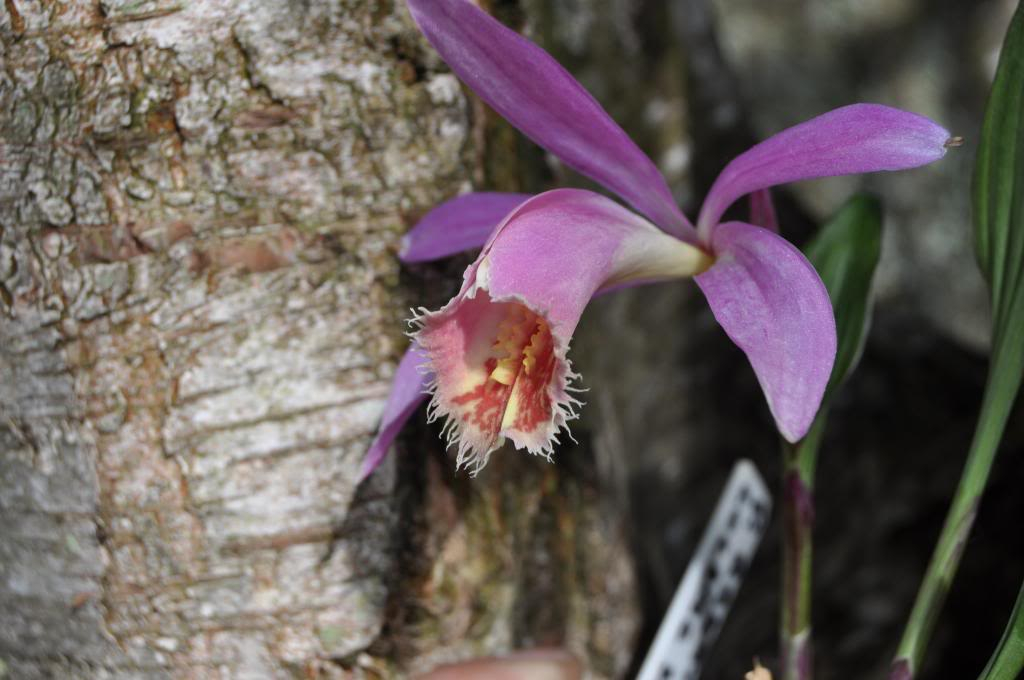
(494, 369)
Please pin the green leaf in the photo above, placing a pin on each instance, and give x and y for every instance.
(845, 253)
(999, 246)
(1008, 660)
(998, 199)
(999, 202)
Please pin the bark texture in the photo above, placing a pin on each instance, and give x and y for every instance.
(201, 308)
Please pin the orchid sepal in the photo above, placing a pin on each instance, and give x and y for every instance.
(458, 224)
(408, 391)
(534, 93)
(773, 305)
(850, 140)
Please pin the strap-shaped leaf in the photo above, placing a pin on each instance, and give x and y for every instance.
(999, 245)
(845, 253)
(999, 195)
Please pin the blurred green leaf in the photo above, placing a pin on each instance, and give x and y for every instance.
(1008, 660)
(845, 253)
(999, 245)
(999, 204)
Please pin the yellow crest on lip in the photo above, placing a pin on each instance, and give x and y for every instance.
(520, 339)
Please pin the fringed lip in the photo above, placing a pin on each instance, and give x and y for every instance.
(498, 350)
(498, 371)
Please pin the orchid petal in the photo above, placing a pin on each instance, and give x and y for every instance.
(498, 349)
(849, 140)
(459, 224)
(408, 391)
(534, 93)
(772, 304)
(762, 210)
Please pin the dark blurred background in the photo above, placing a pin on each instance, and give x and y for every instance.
(672, 403)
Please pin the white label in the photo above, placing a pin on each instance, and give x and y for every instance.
(712, 579)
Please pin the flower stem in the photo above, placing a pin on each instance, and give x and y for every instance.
(799, 461)
(1003, 382)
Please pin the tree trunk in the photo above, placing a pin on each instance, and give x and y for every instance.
(199, 210)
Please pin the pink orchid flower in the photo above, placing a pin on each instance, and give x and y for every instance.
(494, 358)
